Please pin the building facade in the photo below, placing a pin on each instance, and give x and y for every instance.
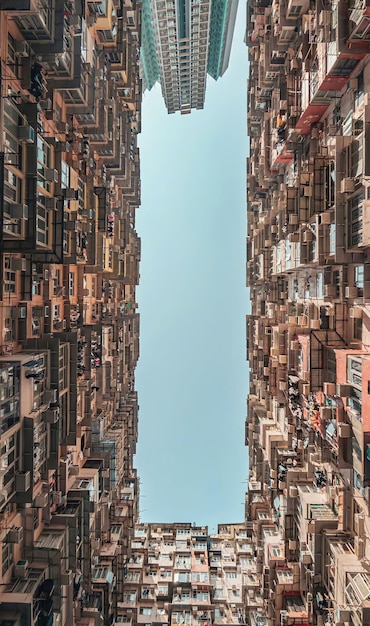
(70, 114)
(181, 574)
(307, 506)
(181, 42)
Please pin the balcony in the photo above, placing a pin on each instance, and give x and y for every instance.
(327, 74)
(359, 25)
(36, 19)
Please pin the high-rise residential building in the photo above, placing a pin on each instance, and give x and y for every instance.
(180, 574)
(70, 114)
(181, 42)
(308, 271)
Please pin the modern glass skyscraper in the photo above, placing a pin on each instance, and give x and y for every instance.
(182, 41)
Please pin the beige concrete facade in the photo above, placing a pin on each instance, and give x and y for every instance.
(307, 429)
(70, 114)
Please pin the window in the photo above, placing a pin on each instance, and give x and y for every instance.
(64, 175)
(355, 220)
(356, 157)
(7, 557)
(182, 577)
(56, 312)
(71, 284)
(230, 574)
(359, 276)
(332, 245)
(199, 577)
(359, 93)
(295, 9)
(42, 221)
(9, 329)
(144, 610)
(354, 371)
(357, 329)
(276, 551)
(9, 277)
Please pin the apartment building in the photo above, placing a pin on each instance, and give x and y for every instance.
(181, 42)
(307, 506)
(70, 114)
(181, 574)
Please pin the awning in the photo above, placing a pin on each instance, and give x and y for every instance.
(311, 115)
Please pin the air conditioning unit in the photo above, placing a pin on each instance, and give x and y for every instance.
(51, 175)
(329, 389)
(70, 194)
(41, 500)
(308, 236)
(20, 569)
(19, 211)
(355, 312)
(51, 395)
(344, 390)
(314, 458)
(306, 389)
(293, 491)
(343, 615)
(46, 104)
(351, 292)
(326, 412)
(52, 415)
(11, 158)
(21, 49)
(57, 497)
(353, 83)
(22, 481)
(306, 557)
(325, 218)
(330, 291)
(51, 203)
(344, 430)
(359, 546)
(315, 324)
(292, 544)
(18, 263)
(62, 127)
(359, 521)
(347, 185)
(15, 535)
(26, 134)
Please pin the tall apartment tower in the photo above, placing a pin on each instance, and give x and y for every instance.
(308, 270)
(180, 574)
(182, 40)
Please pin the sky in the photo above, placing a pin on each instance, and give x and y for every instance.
(192, 376)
